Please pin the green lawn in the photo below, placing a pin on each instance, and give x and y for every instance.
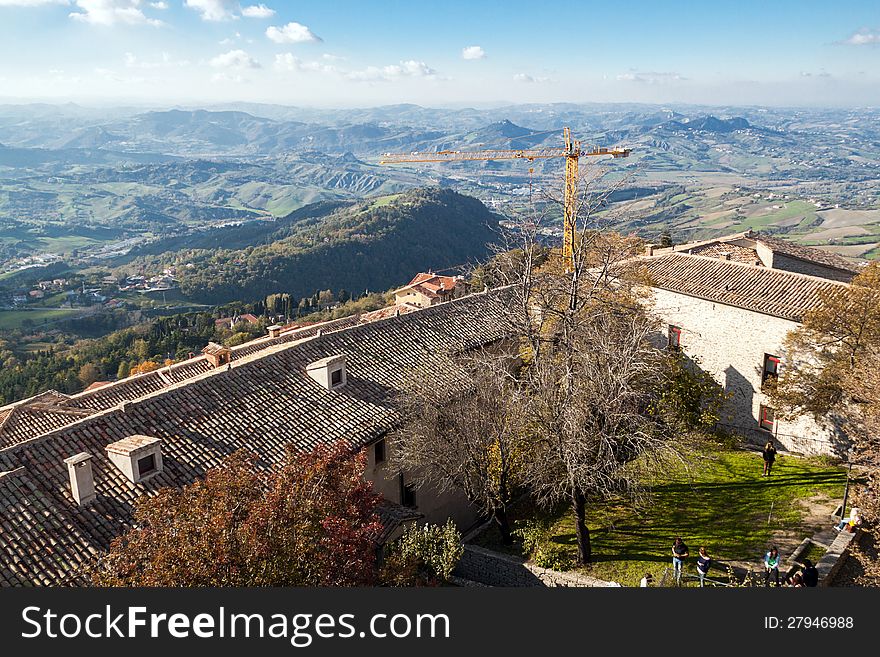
(12, 319)
(722, 503)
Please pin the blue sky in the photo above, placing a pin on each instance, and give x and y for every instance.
(369, 52)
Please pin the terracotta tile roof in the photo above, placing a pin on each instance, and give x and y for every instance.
(431, 285)
(41, 543)
(390, 311)
(45, 412)
(392, 516)
(742, 247)
(214, 348)
(727, 251)
(808, 253)
(769, 291)
(265, 403)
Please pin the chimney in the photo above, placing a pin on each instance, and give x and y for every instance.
(274, 330)
(649, 249)
(727, 256)
(217, 354)
(137, 457)
(329, 372)
(82, 482)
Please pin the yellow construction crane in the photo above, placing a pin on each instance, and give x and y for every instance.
(571, 152)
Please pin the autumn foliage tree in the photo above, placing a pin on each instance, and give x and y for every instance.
(311, 522)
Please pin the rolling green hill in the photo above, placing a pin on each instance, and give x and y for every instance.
(375, 244)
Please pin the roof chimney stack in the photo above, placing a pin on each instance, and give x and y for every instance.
(274, 330)
(82, 482)
(137, 457)
(329, 372)
(217, 354)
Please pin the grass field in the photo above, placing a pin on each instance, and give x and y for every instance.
(12, 319)
(722, 503)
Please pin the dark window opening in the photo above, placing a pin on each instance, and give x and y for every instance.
(407, 494)
(335, 377)
(766, 418)
(379, 451)
(771, 368)
(146, 465)
(674, 337)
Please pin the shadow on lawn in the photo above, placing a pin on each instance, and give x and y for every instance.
(800, 479)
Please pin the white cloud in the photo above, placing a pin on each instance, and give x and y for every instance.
(473, 52)
(863, 37)
(333, 58)
(32, 3)
(292, 33)
(257, 11)
(165, 61)
(234, 59)
(288, 62)
(159, 5)
(214, 10)
(650, 77)
(530, 79)
(112, 12)
(408, 69)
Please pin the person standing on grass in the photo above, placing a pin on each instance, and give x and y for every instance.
(769, 455)
(703, 564)
(810, 574)
(771, 566)
(679, 554)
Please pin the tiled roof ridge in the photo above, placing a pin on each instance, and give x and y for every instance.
(793, 250)
(34, 399)
(777, 293)
(737, 263)
(15, 472)
(774, 243)
(243, 361)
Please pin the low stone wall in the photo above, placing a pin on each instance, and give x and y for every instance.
(496, 569)
(834, 558)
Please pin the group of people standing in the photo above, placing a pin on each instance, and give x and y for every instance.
(808, 577)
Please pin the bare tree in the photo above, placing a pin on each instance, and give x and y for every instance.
(600, 401)
(467, 435)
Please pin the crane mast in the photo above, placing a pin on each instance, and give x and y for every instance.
(572, 152)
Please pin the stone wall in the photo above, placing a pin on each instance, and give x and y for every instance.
(730, 344)
(496, 569)
(830, 564)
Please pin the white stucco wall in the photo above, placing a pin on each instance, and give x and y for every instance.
(730, 343)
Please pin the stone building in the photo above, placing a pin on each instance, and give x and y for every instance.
(728, 304)
(429, 289)
(71, 467)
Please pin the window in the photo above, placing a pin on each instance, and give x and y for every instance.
(146, 465)
(335, 378)
(766, 418)
(771, 368)
(379, 451)
(674, 337)
(407, 493)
